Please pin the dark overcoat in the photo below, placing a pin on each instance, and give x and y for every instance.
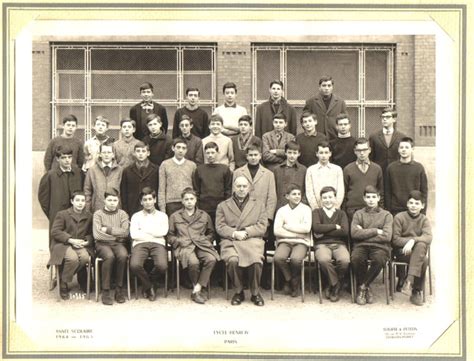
(142, 129)
(326, 116)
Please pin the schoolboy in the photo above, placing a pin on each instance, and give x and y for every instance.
(371, 232)
(290, 172)
(91, 147)
(175, 174)
(148, 229)
(57, 185)
(412, 237)
(226, 151)
(323, 174)
(139, 112)
(230, 111)
(124, 147)
(66, 138)
(110, 230)
(330, 234)
(403, 176)
(274, 143)
(292, 228)
(106, 173)
(241, 141)
(358, 175)
(72, 245)
(343, 145)
(158, 142)
(384, 143)
(193, 142)
(309, 139)
(200, 118)
(212, 181)
(142, 173)
(277, 104)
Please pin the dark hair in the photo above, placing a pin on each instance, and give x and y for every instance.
(145, 86)
(325, 79)
(101, 118)
(253, 146)
(141, 144)
(179, 140)
(63, 149)
(342, 116)
(69, 118)
(306, 114)
(147, 191)
(186, 117)
(416, 195)
(211, 145)
(361, 140)
(323, 144)
(280, 116)
(245, 118)
(291, 187)
(276, 81)
(106, 144)
(193, 90)
(371, 189)
(76, 193)
(128, 120)
(407, 140)
(216, 118)
(327, 189)
(153, 116)
(389, 110)
(188, 190)
(229, 85)
(292, 145)
(111, 192)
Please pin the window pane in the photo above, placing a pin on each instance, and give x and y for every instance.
(170, 110)
(78, 111)
(202, 82)
(376, 75)
(197, 59)
(126, 86)
(71, 86)
(134, 59)
(305, 68)
(70, 59)
(268, 69)
(113, 113)
(353, 114)
(372, 120)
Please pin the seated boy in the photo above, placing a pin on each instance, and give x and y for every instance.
(110, 230)
(72, 242)
(124, 147)
(230, 111)
(200, 118)
(371, 232)
(274, 143)
(330, 231)
(66, 138)
(148, 229)
(140, 174)
(241, 141)
(309, 139)
(91, 147)
(158, 142)
(291, 228)
(411, 240)
(194, 143)
(226, 152)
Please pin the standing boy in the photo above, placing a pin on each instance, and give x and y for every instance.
(309, 139)
(158, 142)
(175, 174)
(194, 143)
(371, 232)
(241, 141)
(91, 147)
(124, 147)
(274, 143)
(139, 112)
(404, 176)
(200, 119)
(66, 138)
(110, 229)
(230, 111)
(226, 152)
(343, 145)
(321, 175)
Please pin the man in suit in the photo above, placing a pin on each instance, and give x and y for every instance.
(241, 221)
(326, 106)
(140, 111)
(384, 143)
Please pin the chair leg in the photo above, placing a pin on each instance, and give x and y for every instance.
(136, 287)
(353, 285)
(429, 274)
(320, 284)
(392, 280)
(272, 286)
(88, 293)
(52, 278)
(128, 280)
(58, 282)
(209, 290)
(97, 280)
(166, 284)
(302, 281)
(387, 286)
(177, 278)
(351, 280)
(226, 283)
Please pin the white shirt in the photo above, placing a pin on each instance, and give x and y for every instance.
(298, 218)
(149, 227)
(231, 115)
(319, 176)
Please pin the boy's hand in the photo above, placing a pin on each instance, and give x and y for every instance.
(240, 235)
(273, 151)
(359, 227)
(103, 229)
(379, 232)
(338, 227)
(408, 247)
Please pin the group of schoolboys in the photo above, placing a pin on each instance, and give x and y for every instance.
(321, 186)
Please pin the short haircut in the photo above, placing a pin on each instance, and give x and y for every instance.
(188, 190)
(141, 144)
(229, 85)
(63, 149)
(325, 79)
(245, 118)
(76, 193)
(407, 140)
(128, 120)
(361, 140)
(211, 145)
(307, 114)
(291, 187)
(389, 110)
(153, 116)
(342, 116)
(108, 143)
(193, 90)
(186, 117)
(146, 85)
(327, 189)
(371, 189)
(276, 81)
(69, 118)
(417, 196)
(280, 116)
(251, 147)
(101, 118)
(179, 140)
(292, 145)
(216, 118)
(324, 144)
(111, 192)
(147, 191)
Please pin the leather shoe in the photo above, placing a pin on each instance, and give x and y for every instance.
(361, 296)
(198, 298)
(151, 294)
(369, 296)
(416, 298)
(107, 298)
(64, 293)
(237, 298)
(257, 300)
(286, 288)
(119, 296)
(407, 288)
(400, 282)
(334, 296)
(295, 287)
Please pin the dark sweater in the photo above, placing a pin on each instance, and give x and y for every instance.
(213, 183)
(343, 151)
(355, 182)
(285, 176)
(324, 228)
(160, 148)
(401, 179)
(240, 150)
(200, 122)
(309, 146)
(194, 151)
(371, 220)
(406, 227)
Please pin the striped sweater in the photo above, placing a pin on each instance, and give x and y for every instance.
(117, 223)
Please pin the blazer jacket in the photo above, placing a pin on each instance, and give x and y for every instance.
(264, 118)
(142, 129)
(270, 141)
(382, 154)
(326, 117)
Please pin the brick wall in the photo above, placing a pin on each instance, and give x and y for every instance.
(404, 85)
